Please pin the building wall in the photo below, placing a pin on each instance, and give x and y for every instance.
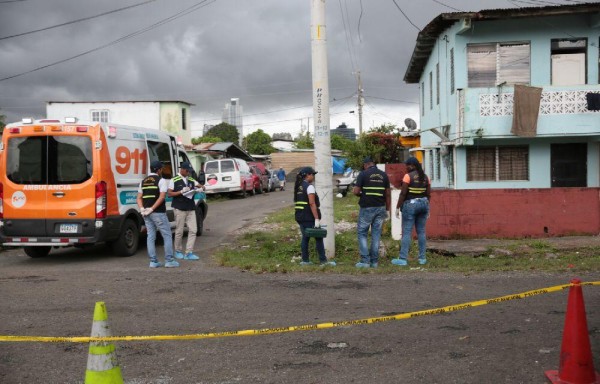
(514, 213)
(139, 114)
(481, 129)
(171, 121)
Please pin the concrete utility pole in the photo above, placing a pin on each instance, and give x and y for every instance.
(359, 102)
(324, 182)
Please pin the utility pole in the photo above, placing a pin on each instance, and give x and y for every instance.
(320, 82)
(359, 101)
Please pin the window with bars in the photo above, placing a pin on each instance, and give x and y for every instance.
(498, 63)
(500, 163)
(431, 168)
(452, 71)
(438, 164)
(100, 115)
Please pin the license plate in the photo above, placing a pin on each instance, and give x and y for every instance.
(68, 228)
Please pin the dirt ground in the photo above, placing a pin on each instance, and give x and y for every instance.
(509, 342)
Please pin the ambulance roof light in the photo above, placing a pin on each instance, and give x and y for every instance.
(27, 120)
(70, 120)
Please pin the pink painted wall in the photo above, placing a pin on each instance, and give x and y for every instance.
(514, 213)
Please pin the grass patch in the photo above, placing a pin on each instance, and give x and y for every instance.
(278, 250)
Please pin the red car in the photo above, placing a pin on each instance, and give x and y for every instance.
(260, 181)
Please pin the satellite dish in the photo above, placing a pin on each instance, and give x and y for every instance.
(410, 124)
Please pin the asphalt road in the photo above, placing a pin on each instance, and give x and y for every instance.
(508, 342)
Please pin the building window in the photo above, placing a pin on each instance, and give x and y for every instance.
(183, 119)
(438, 164)
(430, 90)
(423, 99)
(569, 58)
(452, 71)
(100, 115)
(437, 84)
(431, 167)
(501, 163)
(494, 64)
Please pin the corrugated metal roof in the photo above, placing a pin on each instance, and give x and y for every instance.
(427, 37)
(119, 101)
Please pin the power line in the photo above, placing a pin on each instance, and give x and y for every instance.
(76, 21)
(447, 6)
(399, 101)
(347, 39)
(186, 11)
(405, 16)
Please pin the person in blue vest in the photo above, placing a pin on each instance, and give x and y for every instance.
(413, 204)
(373, 188)
(151, 202)
(281, 178)
(182, 189)
(308, 214)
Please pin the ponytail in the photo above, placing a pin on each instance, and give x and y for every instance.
(299, 180)
(419, 168)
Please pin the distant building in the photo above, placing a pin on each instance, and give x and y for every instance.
(232, 114)
(172, 116)
(344, 131)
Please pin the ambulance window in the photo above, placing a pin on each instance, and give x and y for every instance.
(69, 159)
(211, 167)
(26, 160)
(162, 152)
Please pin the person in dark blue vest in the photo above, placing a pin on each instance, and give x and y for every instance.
(308, 215)
(373, 187)
(182, 189)
(151, 201)
(413, 205)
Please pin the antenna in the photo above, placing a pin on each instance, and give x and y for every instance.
(410, 124)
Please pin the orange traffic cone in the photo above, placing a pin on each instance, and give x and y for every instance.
(576, 362)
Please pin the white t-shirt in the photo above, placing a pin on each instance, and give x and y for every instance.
(311, 190)
(185, 180)
(163, 184)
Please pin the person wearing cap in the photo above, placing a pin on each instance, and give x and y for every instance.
(413, 205)
(151, 202)
(373, 188)
(308, 214)
(181, 189)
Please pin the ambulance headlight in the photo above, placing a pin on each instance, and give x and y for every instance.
(99, 224)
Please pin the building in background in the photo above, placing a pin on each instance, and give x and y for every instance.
(232, 114)
(172, 116)
(344, 131)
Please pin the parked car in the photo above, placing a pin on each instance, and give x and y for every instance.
(347, 182)
(260, 181)
(228, 176)
(274, 182)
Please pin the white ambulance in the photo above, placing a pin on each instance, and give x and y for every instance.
(70, 183)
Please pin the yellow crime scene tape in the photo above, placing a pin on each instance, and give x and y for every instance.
(307, 327)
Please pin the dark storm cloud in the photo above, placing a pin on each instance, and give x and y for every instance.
(258, 51)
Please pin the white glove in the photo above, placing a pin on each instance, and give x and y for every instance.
(185, 189)
(398, 213)
(317, 223)
(387, 215)
(147, 211)
(200, 188)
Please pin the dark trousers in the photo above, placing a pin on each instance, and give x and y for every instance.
(305, 239)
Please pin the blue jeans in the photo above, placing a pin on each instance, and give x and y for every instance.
(159, 221)
(414, 214)
(372, 217)
(305, 239)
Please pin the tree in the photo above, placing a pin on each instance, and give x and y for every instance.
(206, 139)
(340, 142)
(381, 143)
(304, 141)
(225, 132)
(282, 136)
(259, 143)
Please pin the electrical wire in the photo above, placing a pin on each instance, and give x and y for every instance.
(383, 98)
(348, 43)
(77, 21)
(185, 12)
(447, 6)
(359, 19)
(405, 16)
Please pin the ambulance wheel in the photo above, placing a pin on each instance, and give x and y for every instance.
(37, 252)
(128, 241)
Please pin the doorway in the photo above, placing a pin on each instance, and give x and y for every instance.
(568, 165)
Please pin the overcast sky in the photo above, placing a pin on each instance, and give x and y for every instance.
(207, 52)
